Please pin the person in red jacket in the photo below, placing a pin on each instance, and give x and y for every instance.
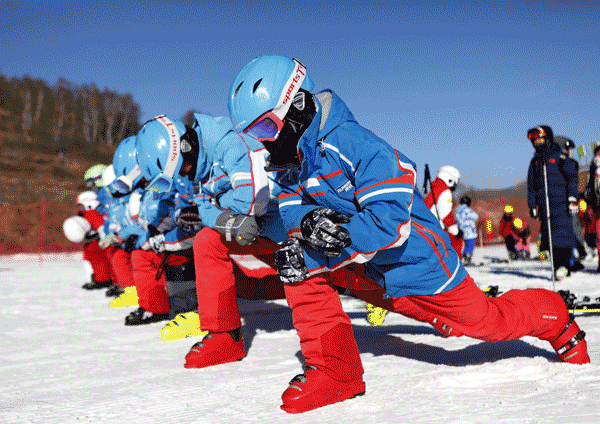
(505, 228)
(587, 218)
(522, 236)
(439, 201)
(92, 253)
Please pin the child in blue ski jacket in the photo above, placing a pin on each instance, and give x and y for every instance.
(466, 218)
(355, 201)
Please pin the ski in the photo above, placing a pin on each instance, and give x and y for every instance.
(580, 305)
(492, 291)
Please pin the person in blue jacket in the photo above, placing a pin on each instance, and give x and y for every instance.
(160, 252)
(562, 178)
(355, 201)
(466, 218)
(231, 191)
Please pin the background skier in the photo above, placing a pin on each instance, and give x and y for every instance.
(549, 168)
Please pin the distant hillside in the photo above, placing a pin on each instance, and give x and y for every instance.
(28, 175)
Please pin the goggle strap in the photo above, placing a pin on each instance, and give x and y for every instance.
(174, 145)
(290, 89)
(133, 174)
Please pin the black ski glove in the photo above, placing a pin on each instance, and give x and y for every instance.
(460, 234)
(320, 230)
(290, 262)
(188, 219)
(128, 244)
(241, 227)
(91, 236)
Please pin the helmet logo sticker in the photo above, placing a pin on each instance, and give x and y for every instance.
(299, 101)
(185, 146)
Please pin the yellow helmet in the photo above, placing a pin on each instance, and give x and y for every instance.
(582, 205)
(508, 209)
(518, 224)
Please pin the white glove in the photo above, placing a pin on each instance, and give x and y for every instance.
(157, 243)
(573, 206)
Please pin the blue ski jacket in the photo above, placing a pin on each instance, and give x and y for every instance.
(349, 169)
(466, 218)
(231, 176)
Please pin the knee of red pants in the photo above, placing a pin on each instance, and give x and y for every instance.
(209, 242)
(149, 282)
(97, 259)
(121, 264)
(325, 331)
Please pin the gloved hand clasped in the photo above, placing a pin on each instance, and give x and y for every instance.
(157, 243)
(188, 219)
(321, 231)
(290, 262)
(243, 228)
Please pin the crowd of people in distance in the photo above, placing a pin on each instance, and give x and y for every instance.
(293, 180)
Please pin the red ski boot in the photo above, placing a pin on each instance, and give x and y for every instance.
(571, 345)
(215, 349)
(314, 389)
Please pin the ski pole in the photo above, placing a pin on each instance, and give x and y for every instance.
(548, 221)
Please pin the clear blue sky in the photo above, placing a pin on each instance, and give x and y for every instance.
(445, 82)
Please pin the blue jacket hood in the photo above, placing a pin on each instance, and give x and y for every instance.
(210, 131)
(332, 112)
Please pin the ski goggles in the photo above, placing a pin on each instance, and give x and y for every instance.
(537, 132)
(124, 184)
(91, 182)
(164, 181)
(268, 126)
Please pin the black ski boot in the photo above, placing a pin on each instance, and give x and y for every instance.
(141, 316)
(95, 285)
(114, 291)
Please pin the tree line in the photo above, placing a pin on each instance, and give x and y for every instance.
(66, 114)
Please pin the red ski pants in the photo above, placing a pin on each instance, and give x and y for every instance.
(120, 262)
(457, 245)
(317, 309)
(99, 261)
(219, 282)
(324, 329)
(150, 280)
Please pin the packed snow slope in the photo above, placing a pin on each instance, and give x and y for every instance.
(66, 357)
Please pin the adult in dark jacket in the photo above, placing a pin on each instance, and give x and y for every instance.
(562, 196)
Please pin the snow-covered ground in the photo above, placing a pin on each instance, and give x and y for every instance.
(67, 357)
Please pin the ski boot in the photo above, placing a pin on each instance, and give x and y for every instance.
(314, 389)
(141, 316)
(95, 285)
(182, 326)
(467, 259)
(215, 349)
(562, 273)
(129, 297)
(114, 291)
(375, 314)
(570, 345)
(445, 329)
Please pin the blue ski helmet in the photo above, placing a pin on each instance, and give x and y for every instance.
(268, 83)
(159, 151)
(127, 171)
